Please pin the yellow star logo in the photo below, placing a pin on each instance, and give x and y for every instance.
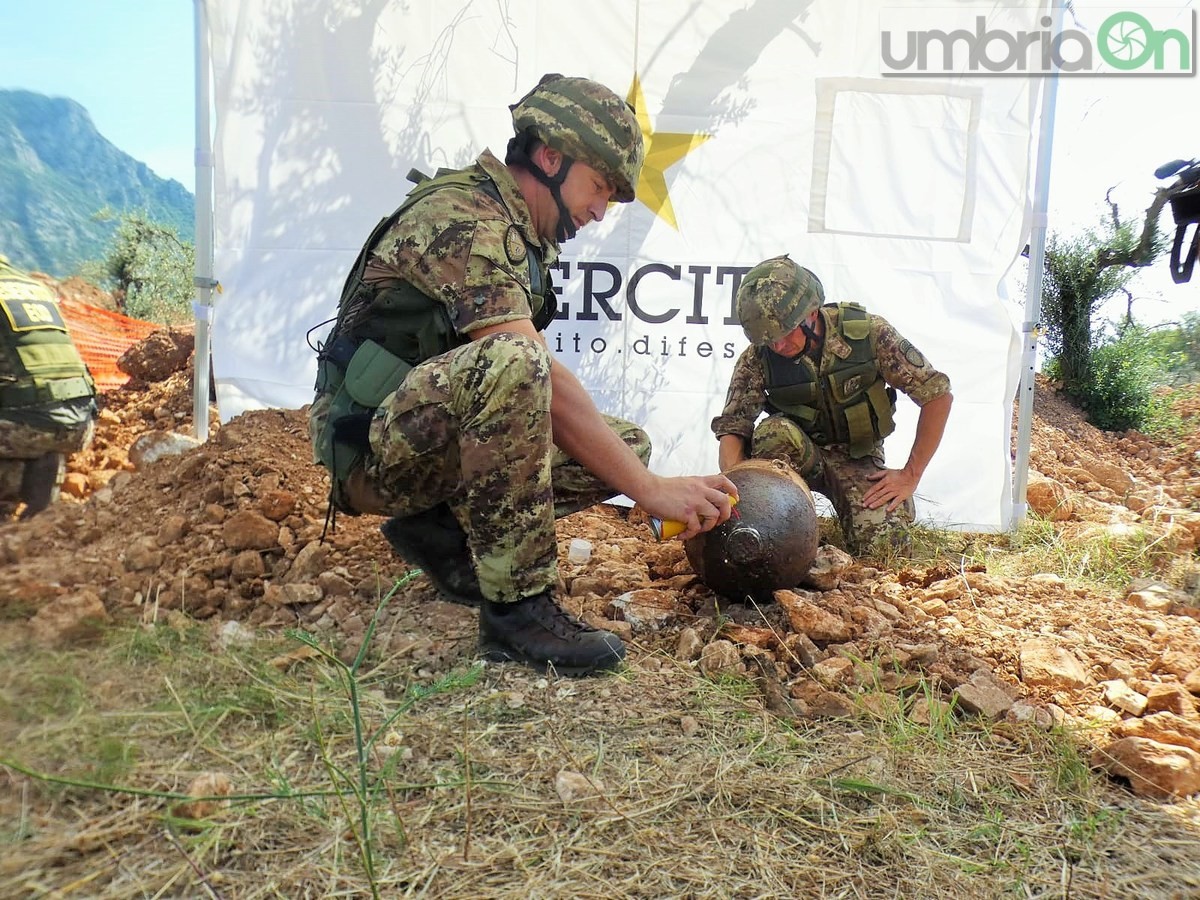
(663, 150)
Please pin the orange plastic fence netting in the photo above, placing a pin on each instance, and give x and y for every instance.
(101, 337)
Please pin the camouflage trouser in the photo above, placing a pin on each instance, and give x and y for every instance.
(22, 444)
(472, 427)
(831, 471)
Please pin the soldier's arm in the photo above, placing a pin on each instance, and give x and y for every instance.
(744, 402)
(700, 501)
(931, 425)
(904, 367)
(731, 450)
(894, 486)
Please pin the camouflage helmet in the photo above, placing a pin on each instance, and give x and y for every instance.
(586, 121)
(775, 297)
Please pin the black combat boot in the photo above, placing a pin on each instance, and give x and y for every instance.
(539, 632)
(435, 542)
(39, 483)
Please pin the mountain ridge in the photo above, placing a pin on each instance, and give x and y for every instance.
(64, 186)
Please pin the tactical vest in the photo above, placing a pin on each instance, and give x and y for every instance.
(40, 364)
(382, 331)
(851, 404)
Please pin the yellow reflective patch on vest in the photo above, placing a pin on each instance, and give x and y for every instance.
(31, 314)
(21, 289)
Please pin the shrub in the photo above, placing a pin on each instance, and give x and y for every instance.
(1119, 393)
(1178, 348)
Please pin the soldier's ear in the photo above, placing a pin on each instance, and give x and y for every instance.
(548, 160)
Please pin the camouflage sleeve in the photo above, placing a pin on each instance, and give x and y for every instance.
(905, 367)
(745, 399)
(475, 276)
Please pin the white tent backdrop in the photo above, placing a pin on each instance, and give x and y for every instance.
(769, 130)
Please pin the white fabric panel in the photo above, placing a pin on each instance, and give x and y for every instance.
(860, 124)
(769, 130)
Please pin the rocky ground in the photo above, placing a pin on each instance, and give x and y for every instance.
(230, 532)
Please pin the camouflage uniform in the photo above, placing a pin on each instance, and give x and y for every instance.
(21, 443)
(829, 468)
(38, 433)
(471, 426)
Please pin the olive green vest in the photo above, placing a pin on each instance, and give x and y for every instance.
(40, 365)
(383, 330)
(851, 404)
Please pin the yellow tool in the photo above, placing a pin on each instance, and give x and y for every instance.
(665, 529)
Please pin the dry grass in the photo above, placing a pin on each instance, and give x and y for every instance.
(703, 793)
(1100, 558)
(1085, 554)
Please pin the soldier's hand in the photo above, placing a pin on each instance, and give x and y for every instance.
(700, 502)
(892, 487)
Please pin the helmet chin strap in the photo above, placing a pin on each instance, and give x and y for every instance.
(811, 338)
(566, 225)
(518, 151)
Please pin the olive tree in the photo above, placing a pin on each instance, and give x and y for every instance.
(1084, 271)
(150, 270)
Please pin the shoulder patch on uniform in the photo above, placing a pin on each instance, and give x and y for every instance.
(514, 245)
(911, 353)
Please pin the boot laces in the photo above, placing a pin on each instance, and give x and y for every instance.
(557, 620)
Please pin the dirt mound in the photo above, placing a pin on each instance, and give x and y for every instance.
(79, 290)
(231, 530)
(1107, 467)
(159, 356)
(159, 398)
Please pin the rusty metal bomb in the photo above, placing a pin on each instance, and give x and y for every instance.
(771, 540)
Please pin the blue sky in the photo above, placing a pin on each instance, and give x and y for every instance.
(131, 64)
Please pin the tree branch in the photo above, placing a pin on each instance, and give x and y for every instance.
(1143, 253)
(1112, 207)
(1128, 305)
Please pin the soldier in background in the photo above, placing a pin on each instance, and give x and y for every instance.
(438, 403)
(47, 396)
(826, 375)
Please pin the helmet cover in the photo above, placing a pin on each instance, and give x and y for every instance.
(586, 121)
(775, 297)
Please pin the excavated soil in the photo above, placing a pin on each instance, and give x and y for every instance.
(231, 530)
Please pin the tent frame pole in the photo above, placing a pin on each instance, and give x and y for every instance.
(203, 276)
(1031, 329)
